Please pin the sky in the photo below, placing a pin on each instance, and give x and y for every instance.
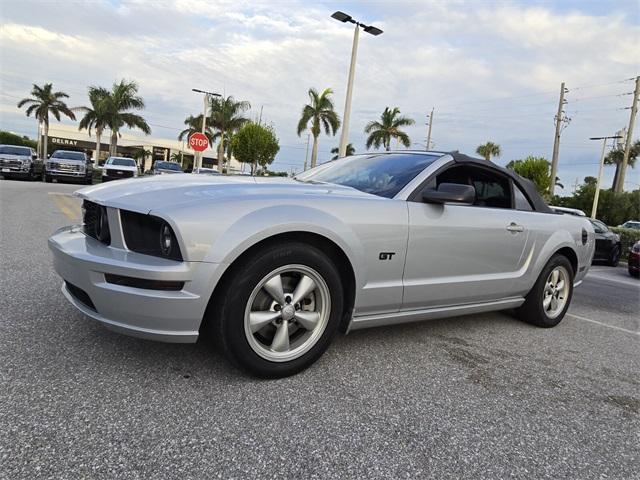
(491, 70)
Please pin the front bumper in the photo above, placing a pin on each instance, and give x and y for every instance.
(66, 173)
(169, 316)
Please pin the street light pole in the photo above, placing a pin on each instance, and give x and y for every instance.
(594, 209)
(344, 134)
(343, 17)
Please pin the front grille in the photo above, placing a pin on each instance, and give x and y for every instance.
(65, 167)
(80, 295)
(95, 222)
(119, 173)
(4, 162)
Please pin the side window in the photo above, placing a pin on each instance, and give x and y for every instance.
(520, 200)
(492, 190)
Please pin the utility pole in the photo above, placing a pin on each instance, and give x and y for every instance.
(559, 119)
(625, 159)
(204, 127)
(429, 131)
(306, 156)
(594, 209)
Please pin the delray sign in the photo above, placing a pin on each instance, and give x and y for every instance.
(63, 141)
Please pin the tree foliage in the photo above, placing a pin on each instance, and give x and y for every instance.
(615, 156)
(613, 208)
(194, 124)
(536, 169)
(8, 138)
(226, 118)
(351, 150)
(488, 150)
(382, 132)
(255, 144)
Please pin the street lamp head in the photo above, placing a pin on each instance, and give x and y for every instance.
(341, 16)
(372, 30)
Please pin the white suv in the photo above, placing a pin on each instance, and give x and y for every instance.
(116, 168)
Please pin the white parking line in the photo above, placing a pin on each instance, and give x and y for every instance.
(630, 282)
(584, 319)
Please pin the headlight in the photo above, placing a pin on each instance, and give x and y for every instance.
(149, 235)
(104, 172)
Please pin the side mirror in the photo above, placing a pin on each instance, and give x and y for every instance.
(450, 193)
(34, 157)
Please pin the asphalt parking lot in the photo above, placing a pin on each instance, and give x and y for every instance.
(484, 396)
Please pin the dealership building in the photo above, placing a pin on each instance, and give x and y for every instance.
(68, 137)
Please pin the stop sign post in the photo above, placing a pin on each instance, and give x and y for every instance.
(199, 142)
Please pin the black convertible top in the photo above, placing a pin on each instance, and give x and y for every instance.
(527, 186)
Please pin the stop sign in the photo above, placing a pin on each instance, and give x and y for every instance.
(199, 142)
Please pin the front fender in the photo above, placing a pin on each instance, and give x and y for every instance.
(263, 223)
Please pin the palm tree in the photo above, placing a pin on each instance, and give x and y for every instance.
(381, 132)
(489, 150)
(226, 118)
(140, 156)
(615, 157)
(42, 102)
(124, 97)
(350, 151)
(194, 125)
(96, 116)
(321, 114)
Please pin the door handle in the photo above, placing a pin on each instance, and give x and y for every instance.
(513, 227)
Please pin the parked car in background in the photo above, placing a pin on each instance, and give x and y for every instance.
(20, 162)
(274, 267)
(608, 246)
(634, 260)
(633, 224)
(568, 211)
(161, 167)
(208, 171)
(65, 165)
(116, 168)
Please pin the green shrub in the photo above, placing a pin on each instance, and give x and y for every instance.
(628, 236)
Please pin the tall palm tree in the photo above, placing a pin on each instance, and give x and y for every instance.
(45, 101)
(122, 98)
(321, 113)
(615, 157)
(350, 151)
(226, 118)
(96, 116)
(381, 132)
(194, 124)
(489, 150)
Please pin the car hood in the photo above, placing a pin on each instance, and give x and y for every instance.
(11, 156)
(146, 194)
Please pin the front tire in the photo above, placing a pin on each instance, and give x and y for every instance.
(278, 311)
(549, 299)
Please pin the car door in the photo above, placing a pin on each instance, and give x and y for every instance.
(460, 254)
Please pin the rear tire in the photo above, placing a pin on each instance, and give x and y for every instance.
(296, 329)
(547, 302)
(614, 258)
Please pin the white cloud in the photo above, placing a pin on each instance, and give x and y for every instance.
(456, 56)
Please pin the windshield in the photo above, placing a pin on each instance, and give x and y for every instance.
(8, 150)
(168, 166)
(382, 174)
(124, 162)
(68, 155)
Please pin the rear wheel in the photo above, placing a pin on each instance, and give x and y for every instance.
(547, 302)
(279, 310)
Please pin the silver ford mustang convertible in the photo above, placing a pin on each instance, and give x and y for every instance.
(272, 268)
